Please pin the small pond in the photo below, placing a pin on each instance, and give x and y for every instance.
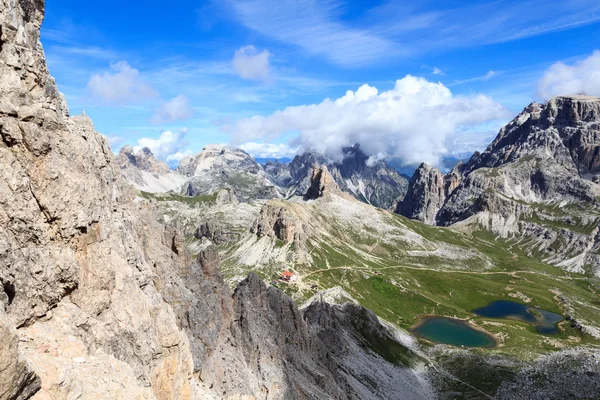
(544, 321)
(452, 331)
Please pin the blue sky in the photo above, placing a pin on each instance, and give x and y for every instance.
(259, 73)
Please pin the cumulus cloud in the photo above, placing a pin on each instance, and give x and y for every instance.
(250, 64)
(269, 150)
(437, 71)
(177, 109)
(169, 146)
(583, 77)
(122, 84)
(413, 121)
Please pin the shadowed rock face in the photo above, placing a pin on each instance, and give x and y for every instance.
(329, 351)
(17, 379)
(426, 195)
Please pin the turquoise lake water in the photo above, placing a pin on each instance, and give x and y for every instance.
(544, 321)
(454, 332)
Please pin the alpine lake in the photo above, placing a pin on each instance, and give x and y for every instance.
(457, 332)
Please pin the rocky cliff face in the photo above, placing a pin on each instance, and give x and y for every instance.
(426, 195)
(565, 129)
(544, 155)
(72, 265)
(278, 222)
(321, 183)
(145, 172)
(537, 175)
(327, 350)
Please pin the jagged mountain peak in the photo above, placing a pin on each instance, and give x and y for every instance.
(146, 172)
(565, 129)
(321, 183)
(426, 194)
(143, 159)
(225, 167)
(373, 182)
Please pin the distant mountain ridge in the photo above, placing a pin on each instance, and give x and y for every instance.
(374, 183)
(223, 167)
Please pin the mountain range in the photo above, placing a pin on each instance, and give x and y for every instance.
(224, 167)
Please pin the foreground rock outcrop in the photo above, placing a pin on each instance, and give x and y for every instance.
(72, 263)
(17, 378)
(426, 195)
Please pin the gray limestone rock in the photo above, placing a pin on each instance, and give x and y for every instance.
(17, 379)
(546, 158)
(145, 172)
(425, 196)
(321, 183)
(276, 221)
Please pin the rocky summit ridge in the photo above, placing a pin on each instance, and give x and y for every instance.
(373, 182)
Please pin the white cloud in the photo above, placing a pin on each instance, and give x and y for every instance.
(483, 78)
(250, 64)
(583, 77)
(413, 121)
(169, 146)
(313, 26)
(177, 109)
(322, 28)
(437, 71)
(268, 150)
(121, 85)
(489, 75)
(180, 155)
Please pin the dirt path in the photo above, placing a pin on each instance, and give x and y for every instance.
(450, 271)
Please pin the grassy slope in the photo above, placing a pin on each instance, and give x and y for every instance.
(402, 288)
